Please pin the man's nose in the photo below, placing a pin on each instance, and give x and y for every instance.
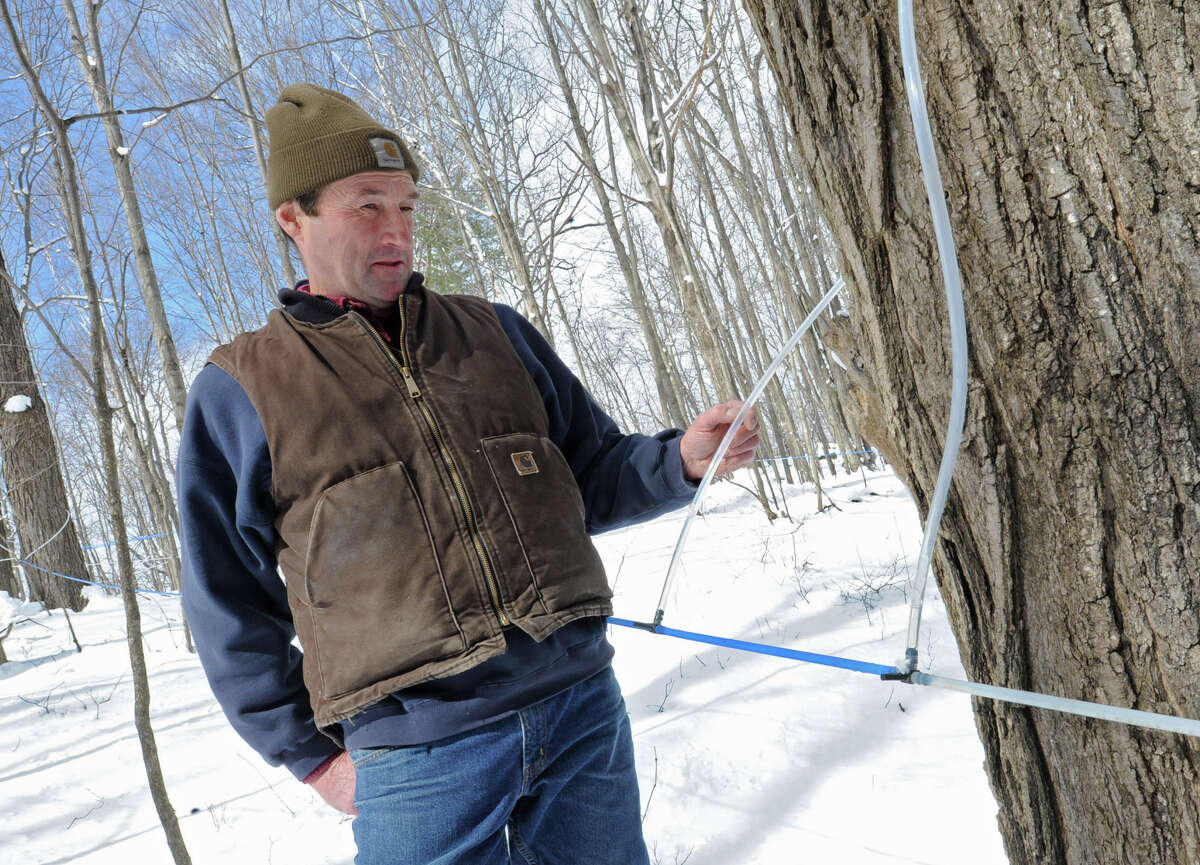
(399, 228)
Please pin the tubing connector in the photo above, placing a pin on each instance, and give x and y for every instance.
(652, 627)
(904, 669)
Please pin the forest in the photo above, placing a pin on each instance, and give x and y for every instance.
(625, 179)
(665, 190)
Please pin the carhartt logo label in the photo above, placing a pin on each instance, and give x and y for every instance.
(387, 153)
(525, 463)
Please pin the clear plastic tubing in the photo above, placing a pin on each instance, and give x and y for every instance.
(755, 393)
(958, 322)
(1153, 720)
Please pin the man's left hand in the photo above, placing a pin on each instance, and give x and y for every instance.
(336, 783)
(700, 441)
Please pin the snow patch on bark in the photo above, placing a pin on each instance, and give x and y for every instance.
(17, 404)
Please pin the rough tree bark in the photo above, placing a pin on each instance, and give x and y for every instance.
(8, 577)
(1069, 141)
(32, 472)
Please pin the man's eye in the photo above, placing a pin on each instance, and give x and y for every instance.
(370, 207)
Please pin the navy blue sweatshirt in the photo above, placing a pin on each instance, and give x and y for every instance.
(236, 602)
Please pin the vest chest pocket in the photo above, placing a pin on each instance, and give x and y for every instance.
(375, 590)
(541, 502)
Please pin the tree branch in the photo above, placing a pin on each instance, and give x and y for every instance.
(211, 96)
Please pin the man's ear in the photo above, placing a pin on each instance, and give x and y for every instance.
(288, 217)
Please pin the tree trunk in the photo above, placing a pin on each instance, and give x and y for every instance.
(468, 121)
(669, 400)
(235, 58)
(72, 210)
(1070, 562)
(133, 615)
(653, 163)
(45, 528)
(91, 61)
(9, 582)
(155, 490)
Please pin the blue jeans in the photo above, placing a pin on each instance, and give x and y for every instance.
(553, 784)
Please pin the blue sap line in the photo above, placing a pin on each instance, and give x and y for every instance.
(1088, 709)
(761, 648)
(92, 582)
(131, 540)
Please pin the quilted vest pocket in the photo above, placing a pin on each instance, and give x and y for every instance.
(371, 551)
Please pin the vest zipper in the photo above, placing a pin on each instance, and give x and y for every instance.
(460, 488)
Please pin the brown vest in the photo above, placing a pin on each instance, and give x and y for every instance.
(420, 506)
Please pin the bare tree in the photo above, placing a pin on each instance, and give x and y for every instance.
(73, 216)
(88, 52)
(485, 116)
(665, 385)
(252, 123)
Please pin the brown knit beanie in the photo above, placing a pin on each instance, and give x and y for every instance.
(319, 136)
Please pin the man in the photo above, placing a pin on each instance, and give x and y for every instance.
(424, 471)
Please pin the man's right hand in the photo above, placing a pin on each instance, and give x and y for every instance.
(336, 783)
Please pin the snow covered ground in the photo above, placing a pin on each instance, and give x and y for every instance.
(744, 759)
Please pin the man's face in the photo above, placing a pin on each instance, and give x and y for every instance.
(360, 242)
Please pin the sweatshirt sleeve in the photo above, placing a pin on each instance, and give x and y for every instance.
(235, 600)
(624, 478)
